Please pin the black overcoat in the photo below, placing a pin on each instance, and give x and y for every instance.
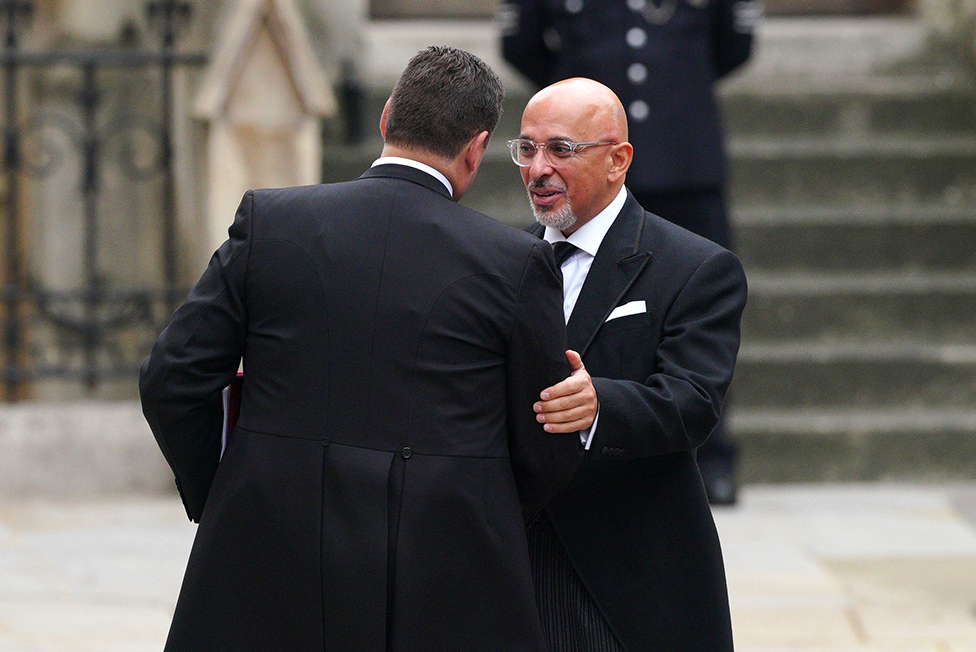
(635, 520)
(373, 492)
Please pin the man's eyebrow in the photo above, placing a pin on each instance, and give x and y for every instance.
(551, 139)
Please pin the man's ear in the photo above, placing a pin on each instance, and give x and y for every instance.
(386, 108)
(621, 157)
(475, 150)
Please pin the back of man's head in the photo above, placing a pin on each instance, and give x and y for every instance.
(444, 98)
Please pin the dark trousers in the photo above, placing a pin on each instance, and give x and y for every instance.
(571, 619)
(701, 211)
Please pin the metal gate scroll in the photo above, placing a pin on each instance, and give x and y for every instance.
(92, 317)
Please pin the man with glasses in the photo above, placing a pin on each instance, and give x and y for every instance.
(663, 59)
(627, 558)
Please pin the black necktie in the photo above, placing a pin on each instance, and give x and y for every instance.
(563, 250)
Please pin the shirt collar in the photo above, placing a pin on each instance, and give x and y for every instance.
(590, 236)
(396, 160)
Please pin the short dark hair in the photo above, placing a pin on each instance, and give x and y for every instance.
(443, 99)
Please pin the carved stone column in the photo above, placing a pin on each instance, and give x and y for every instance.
(263, 98)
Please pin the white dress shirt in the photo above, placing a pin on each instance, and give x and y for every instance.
(396, 160)
(587, 239)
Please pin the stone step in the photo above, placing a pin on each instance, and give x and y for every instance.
(923, 109)
(860, 307)
(859, 375)
(842, 52)
(819, 445)
(892, 172)
(814, 239)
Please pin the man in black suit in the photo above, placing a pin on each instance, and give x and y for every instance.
(662, 58)
(373, 493)
(627, 558)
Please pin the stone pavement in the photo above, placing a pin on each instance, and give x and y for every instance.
(812, 568)
(852, 568)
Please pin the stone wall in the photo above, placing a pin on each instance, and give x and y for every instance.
(78, 449)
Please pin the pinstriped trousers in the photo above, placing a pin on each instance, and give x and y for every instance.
(570, 618)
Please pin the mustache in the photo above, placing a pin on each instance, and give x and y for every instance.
(546, 183)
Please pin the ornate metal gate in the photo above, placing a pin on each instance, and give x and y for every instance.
(96, 329)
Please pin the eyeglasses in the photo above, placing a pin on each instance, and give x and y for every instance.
(557, 152)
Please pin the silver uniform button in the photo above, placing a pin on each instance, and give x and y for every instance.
(636, 5)
(639, 110)
(574, 6)
(636, 37)
(637, 73)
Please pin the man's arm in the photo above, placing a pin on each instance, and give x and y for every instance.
(194, 358)
(543, 463)
(523, 42)
(733, 25)
(677, 406)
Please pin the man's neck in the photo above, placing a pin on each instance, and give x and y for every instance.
(421, 156)
(613, 196)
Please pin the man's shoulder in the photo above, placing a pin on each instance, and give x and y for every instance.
(473, 226)
(665, 238)
(281, 199)
(303, 201)
(676, 234)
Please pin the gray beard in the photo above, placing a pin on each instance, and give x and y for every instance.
(560, 219)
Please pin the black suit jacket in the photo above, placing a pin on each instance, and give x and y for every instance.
(679, 143)
(635, 520)
(372, 494)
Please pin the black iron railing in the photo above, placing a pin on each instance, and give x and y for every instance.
(93, 331)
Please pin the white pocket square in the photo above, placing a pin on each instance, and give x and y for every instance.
(632, 308)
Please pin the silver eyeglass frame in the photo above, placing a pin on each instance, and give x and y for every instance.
(513, 148)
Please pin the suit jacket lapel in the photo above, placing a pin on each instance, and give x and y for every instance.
(620, 260)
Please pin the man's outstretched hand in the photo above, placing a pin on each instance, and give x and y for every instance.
(570, 405)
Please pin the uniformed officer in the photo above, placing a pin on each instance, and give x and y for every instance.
(662, 59)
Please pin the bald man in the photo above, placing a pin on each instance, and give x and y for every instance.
(628, 558)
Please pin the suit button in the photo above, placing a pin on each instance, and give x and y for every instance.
(636, 37)
(326, 442)
(638, 110)
(637, 73)
(406, 453)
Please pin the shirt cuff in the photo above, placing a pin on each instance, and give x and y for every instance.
(586, 436)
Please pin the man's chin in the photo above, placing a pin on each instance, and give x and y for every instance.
(559, 220)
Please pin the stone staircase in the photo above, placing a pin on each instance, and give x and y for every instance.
(855, 214)
(853, 193)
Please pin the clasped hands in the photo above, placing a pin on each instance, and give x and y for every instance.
(570, 405)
